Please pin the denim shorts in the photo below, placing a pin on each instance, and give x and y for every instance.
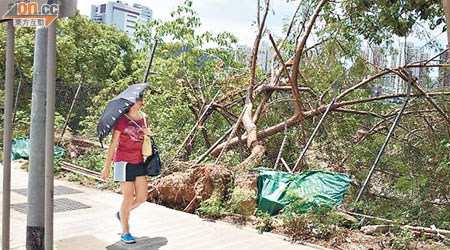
(124, 171)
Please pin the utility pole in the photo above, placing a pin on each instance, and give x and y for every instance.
(50, 136)
(36, 176)
(7, 134)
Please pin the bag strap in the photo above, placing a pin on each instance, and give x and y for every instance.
(145, 119)
(135, 121)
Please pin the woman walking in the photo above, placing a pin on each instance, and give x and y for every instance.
(126, 152)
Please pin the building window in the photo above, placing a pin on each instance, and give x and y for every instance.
(103, 8)
(126, 10)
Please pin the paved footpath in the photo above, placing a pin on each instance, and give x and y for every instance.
(84, 219)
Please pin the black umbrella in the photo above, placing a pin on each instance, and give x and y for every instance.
(122, 103)
(118, 107)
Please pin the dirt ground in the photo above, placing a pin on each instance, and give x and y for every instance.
(350, 239)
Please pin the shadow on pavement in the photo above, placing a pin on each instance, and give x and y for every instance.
(141, 243)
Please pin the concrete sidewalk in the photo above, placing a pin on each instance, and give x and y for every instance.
(85, 219)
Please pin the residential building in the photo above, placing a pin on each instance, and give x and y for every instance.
(444, 74)
(376, 57)
(402, 54)
(122, 15)
(265, 54)
(407, 53)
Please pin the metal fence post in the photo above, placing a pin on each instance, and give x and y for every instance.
(336, 86)
(380, 153)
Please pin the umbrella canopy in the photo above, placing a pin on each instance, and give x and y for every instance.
(118, 107)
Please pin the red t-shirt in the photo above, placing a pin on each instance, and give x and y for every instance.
(130, 141)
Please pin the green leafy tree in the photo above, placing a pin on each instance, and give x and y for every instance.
(379, 20)
(187, 78)
(98, 53)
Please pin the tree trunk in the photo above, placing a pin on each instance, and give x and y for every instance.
(446, 4)
(7, 135)
(256, 147)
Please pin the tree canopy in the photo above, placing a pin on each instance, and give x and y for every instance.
(379, 20)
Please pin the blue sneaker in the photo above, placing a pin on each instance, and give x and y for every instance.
(127, 238)
(118, 217)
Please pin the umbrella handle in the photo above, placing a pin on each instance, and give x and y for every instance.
(147, 72)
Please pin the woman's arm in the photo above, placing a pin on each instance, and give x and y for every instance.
(110, 154)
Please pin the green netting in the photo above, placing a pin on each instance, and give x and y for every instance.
(314, 187)
(21, 149)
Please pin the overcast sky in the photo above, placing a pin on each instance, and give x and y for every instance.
(235, 16)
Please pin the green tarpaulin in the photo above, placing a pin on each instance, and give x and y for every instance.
(21, 149)
(314, 187)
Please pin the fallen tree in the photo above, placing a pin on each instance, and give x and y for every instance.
(381, 228)
(287, 77)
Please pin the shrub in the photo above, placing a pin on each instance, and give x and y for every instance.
(213, 207)
(265, 221)
(401, 238)
(93, 159)
(319, 221)
(242, 201)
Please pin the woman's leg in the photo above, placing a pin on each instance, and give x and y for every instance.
(141, 190)
(127, 188)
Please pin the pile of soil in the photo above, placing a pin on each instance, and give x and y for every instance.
(185, 190)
